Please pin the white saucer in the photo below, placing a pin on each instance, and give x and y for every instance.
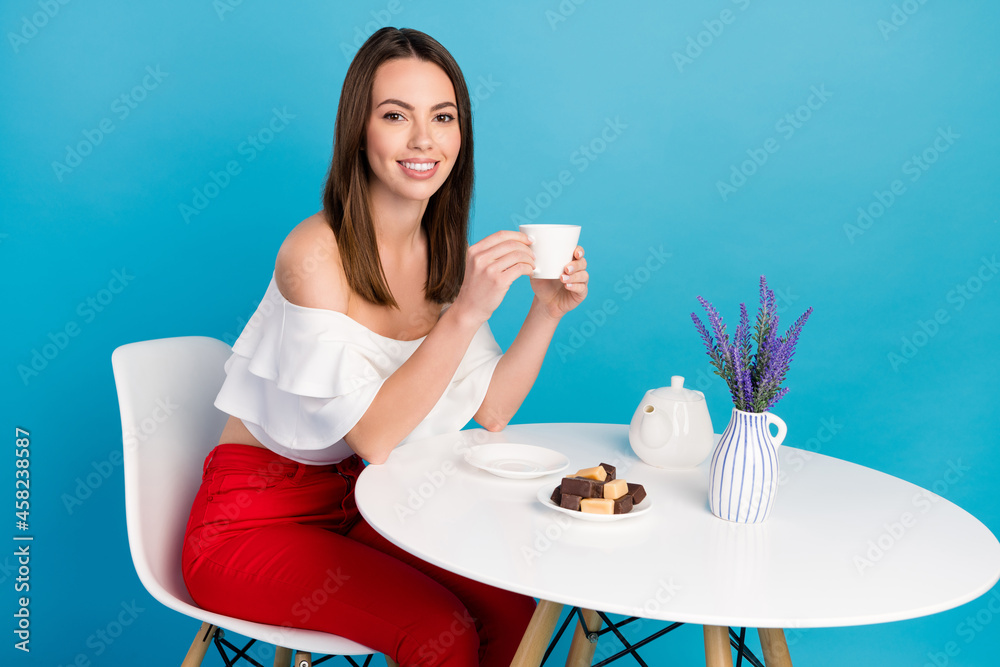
(545, 497)
(516, 461)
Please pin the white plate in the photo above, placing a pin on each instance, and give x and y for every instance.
(545, 498)
(515, 461)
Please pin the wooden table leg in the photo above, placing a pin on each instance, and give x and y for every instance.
(536, 637)
(772, 642)
(581, 651)
(717, 652)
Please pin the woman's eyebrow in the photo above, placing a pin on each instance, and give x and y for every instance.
(409, 107)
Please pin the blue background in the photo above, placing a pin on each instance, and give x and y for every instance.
(546, 85)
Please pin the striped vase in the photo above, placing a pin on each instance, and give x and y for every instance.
(743, 478)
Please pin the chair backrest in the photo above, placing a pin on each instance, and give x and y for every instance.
(166, 390)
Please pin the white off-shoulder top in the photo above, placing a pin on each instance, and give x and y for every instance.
(300, 378)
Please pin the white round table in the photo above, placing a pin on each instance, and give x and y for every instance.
(844, 545)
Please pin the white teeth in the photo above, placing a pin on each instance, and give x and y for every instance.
(421, 166)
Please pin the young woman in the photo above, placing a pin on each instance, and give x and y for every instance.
(373, 331)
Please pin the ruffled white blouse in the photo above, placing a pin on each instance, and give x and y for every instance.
(300, 378)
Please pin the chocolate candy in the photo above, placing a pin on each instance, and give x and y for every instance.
(585, 488)
(557, 494)
(637, 493)
(610, 469)
(570, 502)
(623, 505)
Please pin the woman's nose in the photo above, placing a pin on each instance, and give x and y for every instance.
(421, 137)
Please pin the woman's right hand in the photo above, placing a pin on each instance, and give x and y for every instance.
(491, 267)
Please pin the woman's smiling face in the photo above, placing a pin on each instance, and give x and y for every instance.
(413, 136)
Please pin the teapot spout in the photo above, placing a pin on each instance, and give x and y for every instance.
(654, 427)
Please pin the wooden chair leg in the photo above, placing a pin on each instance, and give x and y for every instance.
(389, 662)
(772, 642)
(717, 651)
(303, 659)
(199, 646)
(581, 651)
(282, 656)
(536, 637)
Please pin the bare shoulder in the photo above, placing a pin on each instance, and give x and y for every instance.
(308, 271)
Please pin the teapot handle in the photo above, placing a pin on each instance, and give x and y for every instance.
(780, 423)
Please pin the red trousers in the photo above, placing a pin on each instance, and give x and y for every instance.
(279, 542)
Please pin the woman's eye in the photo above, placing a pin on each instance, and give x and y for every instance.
(393, 115)
(444, 117)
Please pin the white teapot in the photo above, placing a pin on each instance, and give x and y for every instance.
(672, 427)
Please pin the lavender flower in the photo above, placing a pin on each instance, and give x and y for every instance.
(742, 365)
(754, 379)
(724, 361)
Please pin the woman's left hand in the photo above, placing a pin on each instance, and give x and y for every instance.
(563, 294)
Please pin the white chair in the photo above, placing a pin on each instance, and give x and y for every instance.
(166, 389)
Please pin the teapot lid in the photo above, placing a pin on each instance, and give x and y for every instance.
(677, 392)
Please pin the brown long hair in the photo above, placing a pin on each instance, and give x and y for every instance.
(345, 197)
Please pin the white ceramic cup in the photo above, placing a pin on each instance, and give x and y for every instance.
(553, 246)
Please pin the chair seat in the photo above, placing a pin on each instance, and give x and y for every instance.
(302, 640)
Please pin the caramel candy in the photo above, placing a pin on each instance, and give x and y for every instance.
(637, 493)
(615, 489)
(557, 495)
(585, 488)
(597, 473)
(597, 506)
(610, 469)
(571, 502)
(623, 505)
